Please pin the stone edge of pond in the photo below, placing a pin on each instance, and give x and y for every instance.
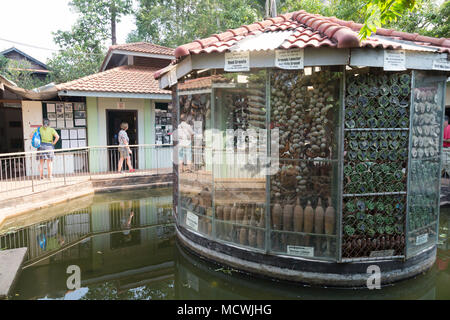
(10, 267)
(19, 206)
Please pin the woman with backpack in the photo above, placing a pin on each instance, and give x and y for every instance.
(47, 134)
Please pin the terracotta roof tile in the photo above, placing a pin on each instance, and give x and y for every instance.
(144, 47)
(311, 30)
(123, 79)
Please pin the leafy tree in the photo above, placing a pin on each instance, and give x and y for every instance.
(82, 47)
(19, 72)
(175, 22)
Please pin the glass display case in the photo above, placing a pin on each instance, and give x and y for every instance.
(324, 163)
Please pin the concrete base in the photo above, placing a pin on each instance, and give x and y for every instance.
(304, 271)
(10, 266)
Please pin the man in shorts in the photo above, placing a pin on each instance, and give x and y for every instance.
(47, 143)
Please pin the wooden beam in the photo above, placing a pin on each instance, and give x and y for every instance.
(10, 101)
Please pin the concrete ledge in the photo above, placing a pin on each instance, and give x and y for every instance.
(10, 266)
(18, 206)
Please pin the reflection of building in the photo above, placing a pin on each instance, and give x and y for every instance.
(312, 161)
(97, 240)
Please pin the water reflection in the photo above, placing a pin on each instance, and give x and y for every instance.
(125, 247)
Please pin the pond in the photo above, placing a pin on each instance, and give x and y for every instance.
(125, 247)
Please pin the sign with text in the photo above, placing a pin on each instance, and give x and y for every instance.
(172, 77)
(423, 238)
(192, 220)
(394, 60)
(300, 251)
(441, 64)
(237, 61)
(289, 59)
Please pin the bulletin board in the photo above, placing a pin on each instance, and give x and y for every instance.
(69, 121)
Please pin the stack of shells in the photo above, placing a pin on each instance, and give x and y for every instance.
(375, 161)
(303, 224)
(302, 111)
(247, 110)
(426, 130)
(373, 223)
(241, 223)
(426, 134)
(195, 108)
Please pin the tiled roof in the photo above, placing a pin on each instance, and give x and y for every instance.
(123, 79)
(143, 47)
(309, 30)
(200, 83)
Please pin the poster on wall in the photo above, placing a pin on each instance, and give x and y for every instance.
(68, 107)
(80, 114)
(60, 123)
(64, 134)
(73, 134)
(65, 144)
(81, 143)
(53, 123)
(82, 133)
(59, 108)
(51, 107)
(79, 107)
(80, 122)
(51, 115)
(69, 124)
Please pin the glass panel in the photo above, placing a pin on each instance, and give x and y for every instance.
(239, 152)
(304, 190)
(375, 162)
(425, 175)
(195, 175)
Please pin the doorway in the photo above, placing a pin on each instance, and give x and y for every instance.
(113, 120)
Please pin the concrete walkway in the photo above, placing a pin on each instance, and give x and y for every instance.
(10, 266)
(11, 189)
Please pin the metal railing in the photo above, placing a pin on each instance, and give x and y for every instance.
(20, 172)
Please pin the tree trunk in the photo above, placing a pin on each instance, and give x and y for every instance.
(113, 25)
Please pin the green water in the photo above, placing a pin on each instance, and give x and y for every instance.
(136, 256)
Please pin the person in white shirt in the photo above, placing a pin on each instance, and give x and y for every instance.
(184, 134)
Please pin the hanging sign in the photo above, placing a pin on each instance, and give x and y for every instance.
(172, 76)
(441, 64)
(121, 105)
(300, 251)
(192, 220)
(422, 239)
(237, 61)
(394, 60)
(289, 59)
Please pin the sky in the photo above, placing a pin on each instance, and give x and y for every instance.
(32, 22)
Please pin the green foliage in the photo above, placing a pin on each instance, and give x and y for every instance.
(83, 47)
(175, 22)
(19, 72)
(73, 63)
(382, 12)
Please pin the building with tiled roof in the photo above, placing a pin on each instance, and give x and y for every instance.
(301, 30)
(124, 89)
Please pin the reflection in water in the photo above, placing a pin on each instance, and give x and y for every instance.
(125, 246)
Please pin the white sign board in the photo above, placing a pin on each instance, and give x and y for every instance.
(423, 238)
(300, 251)
(394, 60)
(172, 77)
(192, 221)
(441, 64)
(237, 61)
(289, 59)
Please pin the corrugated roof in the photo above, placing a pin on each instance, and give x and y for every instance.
(123, 79)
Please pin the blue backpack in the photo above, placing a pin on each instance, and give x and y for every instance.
(36, 140)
